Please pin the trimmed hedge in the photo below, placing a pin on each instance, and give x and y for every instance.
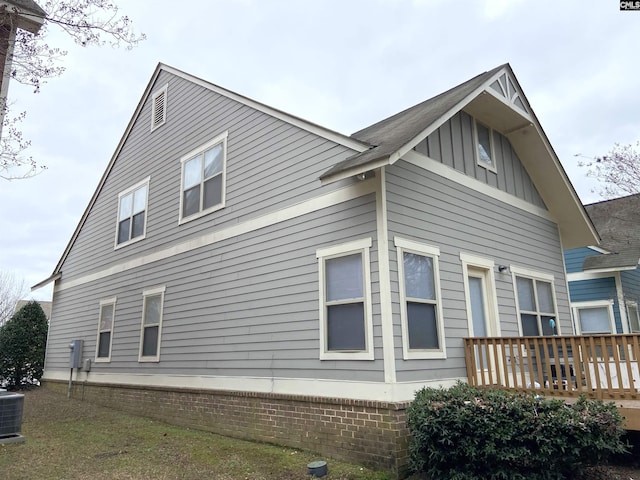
(470, 433)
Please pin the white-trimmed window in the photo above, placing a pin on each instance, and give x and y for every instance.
(104, 338)
(346, 330)
(151, 327)
(420, 302)
(536, 302)
(159, 108)
(132, 214)
(485, 152)
(203, 179)
(634, 317)
(594, 317)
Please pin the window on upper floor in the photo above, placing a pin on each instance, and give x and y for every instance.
(634, 318)
(159, 108)
(594, 317)
(346, 330)
(484, 146)
(151, 327)
(203, 179)
(104, 338)
(420, 304)
(132, 214)
(536, 303)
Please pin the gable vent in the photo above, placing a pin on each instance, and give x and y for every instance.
(159, 108)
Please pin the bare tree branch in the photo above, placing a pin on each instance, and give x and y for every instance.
(618, 171)
(11, 290)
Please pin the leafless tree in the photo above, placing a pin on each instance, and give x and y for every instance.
(618, 171)
(34, 61)
(11, 290)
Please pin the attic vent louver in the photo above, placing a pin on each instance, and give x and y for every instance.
(159, 108)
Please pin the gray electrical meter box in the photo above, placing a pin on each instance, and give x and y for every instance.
(75, 354)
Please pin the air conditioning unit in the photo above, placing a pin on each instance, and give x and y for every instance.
(11, 407)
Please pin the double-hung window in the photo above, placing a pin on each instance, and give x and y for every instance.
(151, 328)
(420, 303)
(104, 339)
(345, 301)
(203, 179)
(634, 318)
(132, 214)
(536, 303)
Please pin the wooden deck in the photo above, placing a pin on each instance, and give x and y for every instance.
(604, 367)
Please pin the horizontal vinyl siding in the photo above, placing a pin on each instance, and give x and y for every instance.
(631, 285)
(574, 258)
(270, 165)
(246, 306)
(430, 209)
(453, 144)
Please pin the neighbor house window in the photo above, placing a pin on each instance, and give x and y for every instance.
(151, 328)
(132, 213)
(203, 179)
(345, 301)
(536, 303)
(159, 108)
(484, 146)
(594, 317)
(420, 308)
(634, 319)
(105, 330)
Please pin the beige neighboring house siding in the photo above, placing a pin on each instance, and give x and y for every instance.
(46, 306)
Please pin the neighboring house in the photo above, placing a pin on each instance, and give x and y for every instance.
(46, 306)
(604, 280)
(243, 270)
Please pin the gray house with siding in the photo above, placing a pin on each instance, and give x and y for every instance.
(246, 271)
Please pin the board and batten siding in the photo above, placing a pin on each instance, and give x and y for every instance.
(243, 307)
(453, 144)
(270, 164)
(431, 209)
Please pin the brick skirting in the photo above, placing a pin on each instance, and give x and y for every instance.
(371, 433)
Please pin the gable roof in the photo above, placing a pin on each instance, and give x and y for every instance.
(618, 223)
(510, 114)
(331, 135)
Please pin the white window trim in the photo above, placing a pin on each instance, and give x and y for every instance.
(577, 306)
(117, 245)
(410, 246)
(627, 304)
(488, 265)
(103, 302)
(149, 293)
(357, 246)
(163, 90)
(534, 275)
(493, 166)
(222, 138)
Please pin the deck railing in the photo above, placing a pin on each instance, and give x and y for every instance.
(598, 366)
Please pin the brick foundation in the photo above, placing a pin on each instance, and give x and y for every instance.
(366, 432)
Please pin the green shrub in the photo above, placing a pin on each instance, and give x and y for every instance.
(470, 433)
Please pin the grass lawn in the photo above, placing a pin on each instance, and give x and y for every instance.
(68, 439)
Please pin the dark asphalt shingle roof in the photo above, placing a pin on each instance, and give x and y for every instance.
(391, 134)
(618, 223)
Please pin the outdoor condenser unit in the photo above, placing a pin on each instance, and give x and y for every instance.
(11, 406)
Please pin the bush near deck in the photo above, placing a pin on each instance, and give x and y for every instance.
(470, 433)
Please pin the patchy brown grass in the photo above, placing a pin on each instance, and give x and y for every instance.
(73, 440)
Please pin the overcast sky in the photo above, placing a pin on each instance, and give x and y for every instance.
(342, 64)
